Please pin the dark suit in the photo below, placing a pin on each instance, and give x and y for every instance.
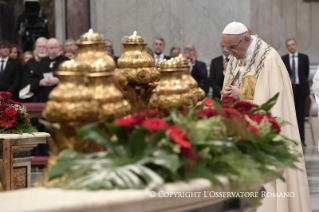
(199, 73)
(302, 90)
(216, 76)
(167, 57)
(10, 78)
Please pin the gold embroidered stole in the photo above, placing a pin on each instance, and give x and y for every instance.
(250, 72)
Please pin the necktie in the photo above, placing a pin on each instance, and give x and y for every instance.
(293, 71)
(1, 68)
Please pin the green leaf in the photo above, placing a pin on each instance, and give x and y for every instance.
(118, 130)
(267, 105)
(137, 143)
(94, 133)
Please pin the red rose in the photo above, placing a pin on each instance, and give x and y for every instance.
(150, 114)
(208, 112)
(11, 112)
(244, 106)
(155, 124)
(230, 112)
(6, 95)
(177, 136)
(258, 117)
(10, 101)
(228, 99)
(226, 106)
(131, 120)
(190, 154)
(274, 124)
(254, 130)
(3, 106)
(208, 102)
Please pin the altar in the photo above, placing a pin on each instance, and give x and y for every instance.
(172, 197)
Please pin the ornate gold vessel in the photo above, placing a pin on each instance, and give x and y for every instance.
(71, 105)
(138, 67)
(171, 91)
(112, 105)
(189, 80)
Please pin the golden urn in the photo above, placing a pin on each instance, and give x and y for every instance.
(171, 90)
(70, 105)
(110, 98)
(91, 48)
(139, 68)
(189, 80)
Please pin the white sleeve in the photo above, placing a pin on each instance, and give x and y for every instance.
(315, 86)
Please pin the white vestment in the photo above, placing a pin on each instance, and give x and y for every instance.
(267, 67)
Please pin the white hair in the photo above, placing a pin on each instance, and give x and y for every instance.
(40, 39)
(124, 38)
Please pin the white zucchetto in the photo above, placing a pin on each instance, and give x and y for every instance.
(235, 28)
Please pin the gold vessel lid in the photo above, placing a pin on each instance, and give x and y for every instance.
(170, 65)
(70, 66)
(100, 66)
(91, 36)
(183, 61)
(135, 39)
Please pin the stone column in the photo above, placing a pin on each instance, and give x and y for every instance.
(77, 18)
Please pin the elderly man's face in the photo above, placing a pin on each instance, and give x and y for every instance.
(53, 50)
(235, 46)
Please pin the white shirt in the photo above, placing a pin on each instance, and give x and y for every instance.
(5, 62)
(296, 65)
(158, 58)
(248, 55)
(315, 87)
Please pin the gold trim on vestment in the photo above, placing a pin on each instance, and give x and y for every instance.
(247, 88)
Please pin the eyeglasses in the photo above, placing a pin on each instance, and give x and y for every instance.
(233, 48)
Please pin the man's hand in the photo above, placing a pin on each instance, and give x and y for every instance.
(231, 91)
(44, 82)
(54, 81)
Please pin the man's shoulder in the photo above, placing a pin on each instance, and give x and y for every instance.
(14, 62)
(302, 55)
(217, 58)
(200, 62)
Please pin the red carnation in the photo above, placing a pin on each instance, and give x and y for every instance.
(242, 106)
(155, 124)
(6, 95)
(274, 124)
(228, 99)
(177, 136)
(11, 112)
(208, 112)
(208, 102)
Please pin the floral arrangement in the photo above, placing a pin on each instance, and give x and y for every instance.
(238, 140)
(13, 116)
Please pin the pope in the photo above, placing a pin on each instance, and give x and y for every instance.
(255, 73)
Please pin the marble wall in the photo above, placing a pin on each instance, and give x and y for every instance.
(277, 20)
(179, 22)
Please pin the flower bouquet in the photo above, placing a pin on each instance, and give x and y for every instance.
(238, 140)
(13, 116)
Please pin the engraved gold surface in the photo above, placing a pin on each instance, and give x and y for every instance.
(19, 179)
(171, 90)
(139, 69)
(247, 88)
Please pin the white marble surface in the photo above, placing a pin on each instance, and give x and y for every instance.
(42, 199)
(25, 135)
